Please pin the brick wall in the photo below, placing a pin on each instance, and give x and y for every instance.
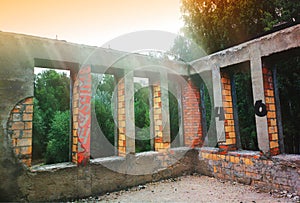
(20, 130)
(230, 135)
(279, 172)
(159, 143)
(271, 109)
(191, 115)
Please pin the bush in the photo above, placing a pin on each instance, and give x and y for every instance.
(58, 145)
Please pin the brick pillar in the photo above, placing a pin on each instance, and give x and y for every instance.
(20, 130)
(271, 111)
(126, 123)
(230, 143)
(82, 93)
(192, 127)
(121, 119)
(161, 133)
(75, 112)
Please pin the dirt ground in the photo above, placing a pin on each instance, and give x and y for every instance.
(190, 189)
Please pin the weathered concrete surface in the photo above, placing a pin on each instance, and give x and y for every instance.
(65, 181)
(19, 54)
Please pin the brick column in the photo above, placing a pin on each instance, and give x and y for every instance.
(82, 93)
(126, 123)
(161, 133)
(230, 143)
(192, 127)
(20, 130)
(121, 119)
(271, 111)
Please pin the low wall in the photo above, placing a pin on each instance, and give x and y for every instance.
(67, 181)
(281, 172)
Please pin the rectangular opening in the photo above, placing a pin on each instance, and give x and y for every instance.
(103, 129)
(143, 140)
(175, 112)
(242, 106)
(51, 116)
(285, 68)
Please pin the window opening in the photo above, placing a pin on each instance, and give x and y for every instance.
(142, 115)
(51, 116)
(103, 132)
(245, 121)
(287, 80)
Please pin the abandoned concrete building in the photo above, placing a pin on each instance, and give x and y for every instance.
(214, 152)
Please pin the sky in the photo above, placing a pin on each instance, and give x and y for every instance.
(90, 22)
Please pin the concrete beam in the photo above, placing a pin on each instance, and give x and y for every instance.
(50, 53)
(273, 43)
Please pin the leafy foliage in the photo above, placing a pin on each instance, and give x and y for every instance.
(186, 49)
(52, 96)
(39, 132)
(59, 133)
(103, 109)
(219, 24)
(142, 118)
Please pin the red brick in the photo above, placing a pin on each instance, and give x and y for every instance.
(28, 125)
(29, 109)
(17, 126)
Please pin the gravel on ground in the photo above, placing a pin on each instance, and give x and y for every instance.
(193, 188)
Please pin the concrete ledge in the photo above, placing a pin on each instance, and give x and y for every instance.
(52, 167)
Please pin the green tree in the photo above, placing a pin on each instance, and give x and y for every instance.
(52, 95)
(39, 140)
(219, 24)
(186, 49)
(59, 133)
(103, 109)
(52, 90)
(142, 118)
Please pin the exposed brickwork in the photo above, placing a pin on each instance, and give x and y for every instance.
(230, 135)
(20, 130)
(159, 143)
(271, 109)
(191, 115)
(75, 112)
(82, 116)
(247, 167)
(121, 118)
